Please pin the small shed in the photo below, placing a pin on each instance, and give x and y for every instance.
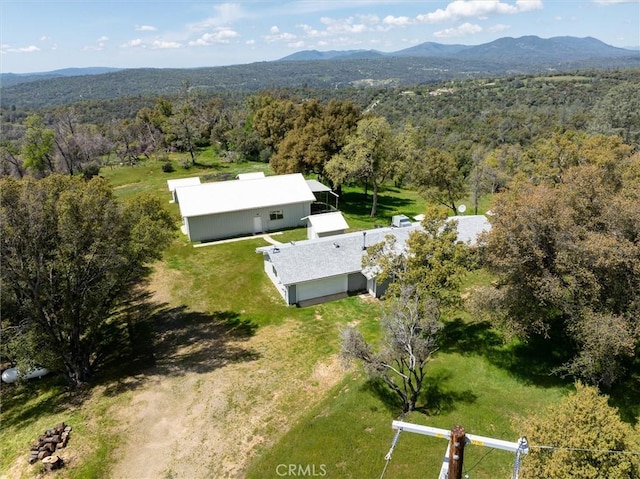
(250, 176)
(326, 224)
(179, 183)
(225, 209)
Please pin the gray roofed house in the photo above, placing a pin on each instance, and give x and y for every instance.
(323, 269)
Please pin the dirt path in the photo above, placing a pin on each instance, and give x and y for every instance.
(204, 424)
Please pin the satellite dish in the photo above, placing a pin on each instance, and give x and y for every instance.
(462, 208)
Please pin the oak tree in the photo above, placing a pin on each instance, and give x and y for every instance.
(567, 254)
(581, 437)
(71, 254)
(369, 156)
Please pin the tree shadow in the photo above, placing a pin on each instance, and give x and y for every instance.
(171, 341)
(434, 399)
(23, 403)
(438, 400)
(532, 361)
(357, 203)
(459, 336)
(148, 339)
(625, 395)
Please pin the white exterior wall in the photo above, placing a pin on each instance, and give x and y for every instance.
(273, 276)
(322, 287)
(235, 223)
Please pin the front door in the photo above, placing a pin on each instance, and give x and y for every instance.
(257, 224)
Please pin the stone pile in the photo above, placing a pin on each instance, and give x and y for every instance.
(52, 440)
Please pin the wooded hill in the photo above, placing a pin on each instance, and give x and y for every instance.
(423, 64)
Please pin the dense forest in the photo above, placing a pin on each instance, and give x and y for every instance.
(460, 116)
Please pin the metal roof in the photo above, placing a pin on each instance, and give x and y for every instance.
(180, 182)
(317, 187)
(237, 195)
(325, 222)
(250, 176)
(309, 260)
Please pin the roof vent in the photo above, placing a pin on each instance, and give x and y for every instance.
(336, 245)
(276, 250)
(364, 240)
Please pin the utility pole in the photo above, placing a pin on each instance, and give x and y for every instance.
(456, 452)
(452, 465)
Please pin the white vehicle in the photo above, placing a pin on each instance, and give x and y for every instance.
(400, 221)
(11, 375)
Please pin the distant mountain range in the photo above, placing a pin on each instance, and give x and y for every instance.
(425, 63)
(507, 49)
(8, 79)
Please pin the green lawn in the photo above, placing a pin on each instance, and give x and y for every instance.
(350, 431)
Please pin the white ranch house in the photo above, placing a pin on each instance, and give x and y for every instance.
(251, 205)
(324, 269)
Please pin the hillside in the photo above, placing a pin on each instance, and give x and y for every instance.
(422, 64)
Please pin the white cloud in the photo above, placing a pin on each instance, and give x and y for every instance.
(528, 5)
(221, 35)
(157, 44)
(370, 19)
(343, 25)
(6, 48)
(309, 31)
(164, 45)
(397, 21)
(459, 31)
(145, 28)
(135, 43)
(611, 2)
(224, 15)
(99, 46)
(277, 35)
(460, 9)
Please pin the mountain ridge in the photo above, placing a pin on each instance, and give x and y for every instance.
(579, 47)
(425, 63)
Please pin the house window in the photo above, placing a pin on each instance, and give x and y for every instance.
(276, 215)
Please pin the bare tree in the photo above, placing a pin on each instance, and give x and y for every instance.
(410, 328)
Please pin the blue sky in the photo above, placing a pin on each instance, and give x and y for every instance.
(44, 35)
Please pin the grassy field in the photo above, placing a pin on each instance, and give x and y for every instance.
(221, 291)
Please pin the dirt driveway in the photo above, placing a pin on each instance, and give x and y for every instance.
(210, 421)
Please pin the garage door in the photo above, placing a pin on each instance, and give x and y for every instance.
(321, 287)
